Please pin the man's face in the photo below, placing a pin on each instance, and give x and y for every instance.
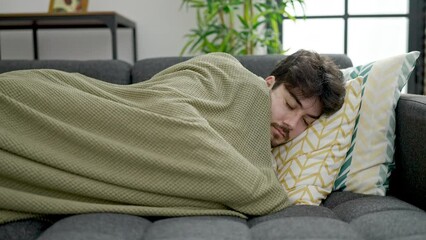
(291, 114)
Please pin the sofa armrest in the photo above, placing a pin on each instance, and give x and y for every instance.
(408, 180)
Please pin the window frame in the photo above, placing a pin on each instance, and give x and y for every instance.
(416, 35)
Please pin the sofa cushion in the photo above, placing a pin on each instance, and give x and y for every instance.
(261, 65)
(350, 206)
(24, 230)
(378, 217)
(97, 226)
(304, 228)
(391, 221)
(199, 227)
(294, 212)
(370, 161)
(114, 71)
(308, 165)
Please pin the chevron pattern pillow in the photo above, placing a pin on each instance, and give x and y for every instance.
(308, 165)
(369, 161)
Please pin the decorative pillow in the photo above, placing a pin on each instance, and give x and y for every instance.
(308, 165)
(369, 161)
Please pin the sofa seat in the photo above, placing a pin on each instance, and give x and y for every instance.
(343, 215)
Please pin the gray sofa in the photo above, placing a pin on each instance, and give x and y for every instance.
(343, 215)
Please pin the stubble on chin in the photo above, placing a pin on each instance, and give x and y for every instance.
(282, 139)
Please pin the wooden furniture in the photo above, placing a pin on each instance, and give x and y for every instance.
(36, 21)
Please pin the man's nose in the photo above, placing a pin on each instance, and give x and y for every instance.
(292, 121)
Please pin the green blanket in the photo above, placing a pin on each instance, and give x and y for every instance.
(193, 140)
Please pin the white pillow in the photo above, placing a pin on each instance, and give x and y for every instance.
(369, 162)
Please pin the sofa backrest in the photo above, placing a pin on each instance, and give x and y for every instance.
(114, 71)
(261, 65)
(120, 72)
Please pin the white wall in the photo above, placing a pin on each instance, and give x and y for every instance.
(161, 26)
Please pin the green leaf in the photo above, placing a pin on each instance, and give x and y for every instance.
(243, 21)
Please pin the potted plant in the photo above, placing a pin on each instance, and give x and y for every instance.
(237, 27)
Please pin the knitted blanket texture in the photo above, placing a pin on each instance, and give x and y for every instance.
(193, 140)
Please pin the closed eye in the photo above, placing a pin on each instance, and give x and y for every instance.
(309, 121)
(306, 122)
(289, 106)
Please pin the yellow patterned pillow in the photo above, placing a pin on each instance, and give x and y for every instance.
(308, 165)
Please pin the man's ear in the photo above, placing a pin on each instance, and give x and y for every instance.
(270, 81)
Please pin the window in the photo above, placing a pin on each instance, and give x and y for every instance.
(365, 30)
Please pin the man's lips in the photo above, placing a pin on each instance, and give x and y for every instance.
(281, 131)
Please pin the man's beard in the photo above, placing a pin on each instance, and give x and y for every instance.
(284, 129)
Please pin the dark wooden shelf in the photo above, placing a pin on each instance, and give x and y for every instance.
(35, 21)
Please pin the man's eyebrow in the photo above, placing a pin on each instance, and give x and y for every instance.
(300, 104)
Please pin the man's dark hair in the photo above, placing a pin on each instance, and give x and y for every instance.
(312, 75)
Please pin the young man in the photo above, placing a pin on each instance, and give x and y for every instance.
(303, 87)
(193, 140)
